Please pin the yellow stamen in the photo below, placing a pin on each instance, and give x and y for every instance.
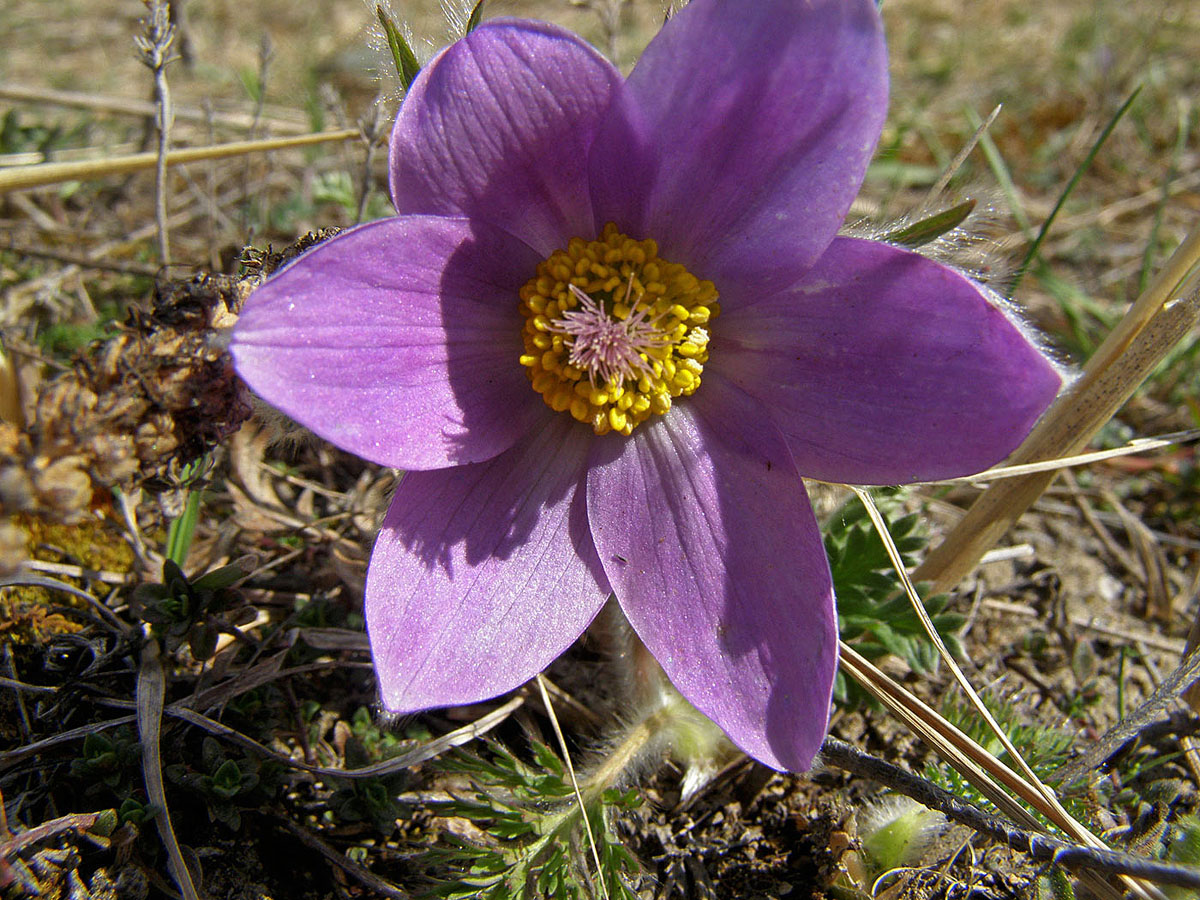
(613, 333)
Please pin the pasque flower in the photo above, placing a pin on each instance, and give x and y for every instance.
(607, 332)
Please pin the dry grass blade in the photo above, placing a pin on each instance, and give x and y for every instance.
(1138, 445)
(562, 746)
(1152, 563)
(990, 776)
(151, 692)
(1162, 316)
(418, 754)
(959, 676)
(17, 177)
(22, 93)
(12, 757)
(960, 158)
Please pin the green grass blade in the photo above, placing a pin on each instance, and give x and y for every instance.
(1066, 192)
(1000, 170)
(179, 535)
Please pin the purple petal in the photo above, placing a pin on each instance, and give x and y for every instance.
(398, 341)
(497, 128)
(709, 542)
(884, 367)
(483, 574)
(743, 134)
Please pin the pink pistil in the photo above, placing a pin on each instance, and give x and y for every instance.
(610, 348)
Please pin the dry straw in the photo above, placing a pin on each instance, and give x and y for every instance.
(43, 174)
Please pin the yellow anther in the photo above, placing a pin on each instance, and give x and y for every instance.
(612, 332)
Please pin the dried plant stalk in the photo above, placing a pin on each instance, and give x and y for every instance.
(43, 174)
(154, 48)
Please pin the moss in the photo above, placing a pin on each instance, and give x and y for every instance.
(27, 613)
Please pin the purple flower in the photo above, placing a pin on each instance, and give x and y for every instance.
(608, 330)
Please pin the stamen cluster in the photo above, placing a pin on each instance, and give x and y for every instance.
(612, 332)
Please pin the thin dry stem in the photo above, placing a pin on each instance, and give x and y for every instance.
(959, 676)
(1138, 445)
(23, 93)
(562, 744)
(155, 53)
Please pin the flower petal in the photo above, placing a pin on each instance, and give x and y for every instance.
(398, 341)
(884, 367)
(497, 128)
(743, 134)
(709, 542)
(483, 574)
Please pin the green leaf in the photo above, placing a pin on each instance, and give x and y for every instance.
(218, 579)
(407, 66)
(179, 535)
(931, 228)
(476, 16)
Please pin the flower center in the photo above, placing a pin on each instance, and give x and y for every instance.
(612, 332)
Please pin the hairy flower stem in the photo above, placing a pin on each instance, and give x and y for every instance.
(626, 754)
(637, 739)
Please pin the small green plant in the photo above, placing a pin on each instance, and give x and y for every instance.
(535, 843)
(182, 609)
(337, 187)
(108, 761)
(226, 785)
(1044, 748)
(372, 800)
